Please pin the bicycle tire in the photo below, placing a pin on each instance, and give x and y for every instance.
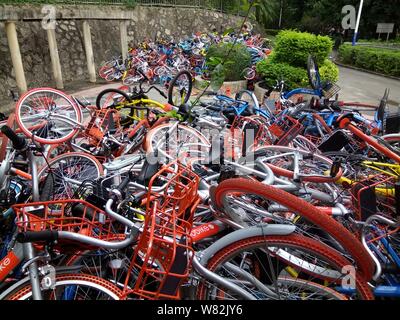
(27, 130)
(97, 172)
(148, 144)
(107, 91)
(292, 240)
(346, 239)
(174, 81)
(72, 281)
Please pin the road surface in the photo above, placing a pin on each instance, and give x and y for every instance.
(358, 86)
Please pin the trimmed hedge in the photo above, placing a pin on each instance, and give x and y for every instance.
(271, 71)
(294, 47)
(294, 77)
(374, 59)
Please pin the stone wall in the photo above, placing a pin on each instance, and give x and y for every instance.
(143, 22)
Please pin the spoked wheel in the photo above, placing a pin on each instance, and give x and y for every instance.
(48, 116)
(132, 78)
(64, 174)
(174, 140)
(110, 265)
(250, 202)
(180, 88)
(313, 73)
(280, 268)
(72, 287)
(111, 97)
(249, 74)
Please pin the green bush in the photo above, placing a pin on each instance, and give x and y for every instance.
(329, 71)
(271, 71)
(294, 77)
(294, 47)
(374, 59)
(239, 59)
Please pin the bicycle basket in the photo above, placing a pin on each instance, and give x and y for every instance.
(162, 256)
(372, 194)
(285, 130)
(330, 90)
(75, 216)
(253, 131)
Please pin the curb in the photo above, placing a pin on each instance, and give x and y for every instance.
(365, 70)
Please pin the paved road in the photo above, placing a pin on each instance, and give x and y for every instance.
(364, 87)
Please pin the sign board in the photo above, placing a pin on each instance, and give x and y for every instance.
(385, 28)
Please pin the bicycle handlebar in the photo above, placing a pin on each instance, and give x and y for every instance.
(41, 236)
(19, 143)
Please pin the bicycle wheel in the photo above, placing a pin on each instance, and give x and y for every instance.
(174, 140)
(132, 79)
(110, 265)
(105, 71)
(48, 116)
(180, 88)
(249, 73)
(72, 287)
(64, 174)
(256, 265)
(229, 193)
(110, 97)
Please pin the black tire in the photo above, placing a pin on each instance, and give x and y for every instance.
(172, 85)
(107, 91)
(312, 72)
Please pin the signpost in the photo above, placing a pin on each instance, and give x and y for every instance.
(358, 22)
(385, 28)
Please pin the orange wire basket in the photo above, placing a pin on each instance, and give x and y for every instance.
(374, 194)
(285, 129)
(162, 256)
(254, 129)
(77, 216)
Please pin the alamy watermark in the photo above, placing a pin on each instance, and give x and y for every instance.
(349, 20)
(49, 19)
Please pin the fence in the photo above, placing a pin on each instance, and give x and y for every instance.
(218, 5)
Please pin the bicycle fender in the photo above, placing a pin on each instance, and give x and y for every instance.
(257, 231)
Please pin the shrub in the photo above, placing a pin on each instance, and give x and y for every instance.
(294, 77)
(329, 71)
(375, 59)
(238, 60)
(294, 47)
(271, 71)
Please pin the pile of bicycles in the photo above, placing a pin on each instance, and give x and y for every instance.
(161, 60)
(228, 199)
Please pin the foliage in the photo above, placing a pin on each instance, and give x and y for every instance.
(319, 16)
(375, 59)
(226, 61)
(294, 47)
(272, 32)
(271, 71)
(294, 77)
(329, 71)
